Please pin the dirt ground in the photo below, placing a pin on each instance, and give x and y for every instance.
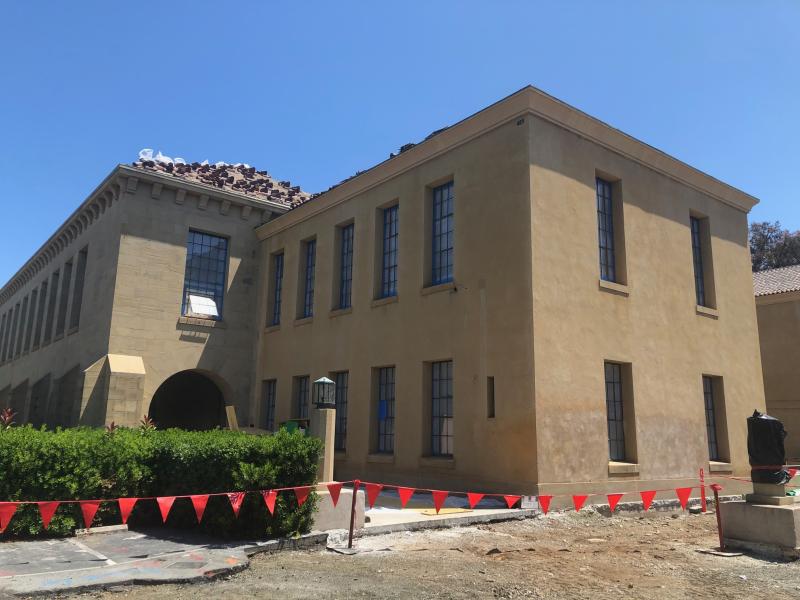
(583, 555)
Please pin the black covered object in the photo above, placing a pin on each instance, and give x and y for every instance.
(765, 437)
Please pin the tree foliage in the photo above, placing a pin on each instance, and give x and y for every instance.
(772, 247)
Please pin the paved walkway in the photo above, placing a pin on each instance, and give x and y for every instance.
(126, 557)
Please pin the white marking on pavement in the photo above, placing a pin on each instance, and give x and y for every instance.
(94, 553)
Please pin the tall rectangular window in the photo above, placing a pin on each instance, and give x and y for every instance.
(605, 230)
(389, 252)
(301, 391)
(63, 299)
(614, 416)
(77, 290)
(442, 408)
(21, 331)
(37, 333)
(277, 288)
(9, 349)
(341, 379)
(3, 336)
(309, 267)
(51, 308)
(346, 265)
(711, 418)
(31, 317)
(385, 410)
(270, 388)
(205, 277)
(443, 234)
(697, 259)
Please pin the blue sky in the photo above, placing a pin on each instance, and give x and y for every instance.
(313, 91)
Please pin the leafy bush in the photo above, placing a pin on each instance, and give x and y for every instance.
(90, 464)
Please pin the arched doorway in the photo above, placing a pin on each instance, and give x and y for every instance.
(188, 400)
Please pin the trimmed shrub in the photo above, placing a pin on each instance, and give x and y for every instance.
(91, 464)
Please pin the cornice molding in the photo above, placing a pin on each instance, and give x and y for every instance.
(527, 101)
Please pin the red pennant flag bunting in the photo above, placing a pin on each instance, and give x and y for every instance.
(269, 499)
(511, 500)
(7, 510)
(165, 505)
(335, 489)
(647, 498)
(473, 499)
(199, 502)
(544, 503)
(439, 497)
(577, 501)
(683, 496)
(125, 507)
(613, 500)
(405, 494)
(373, 489)
(47, 510)
(301, 493)
(89, 509)
(236, 499)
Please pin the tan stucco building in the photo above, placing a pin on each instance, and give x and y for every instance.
(98, 324)
(527, 300)
(778, 308)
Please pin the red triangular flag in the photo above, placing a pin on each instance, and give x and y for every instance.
(438, 499)
(683, 496)
(269, 499)
(301, 493)
(647, 498)
(7, 510)
(199, 502)
(473, 499)
(125, 507)
(578, 501)
(511, 500)
(236, 499)
(373, 489)
(544, 503)
(334, 488)
(165, 505)
(47, 510)
(613, 500)
(89, 509)
(405, 494)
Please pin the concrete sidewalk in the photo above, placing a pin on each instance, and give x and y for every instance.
(127, 557)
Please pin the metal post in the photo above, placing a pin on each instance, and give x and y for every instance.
(703, 505)
(356, 483)
(716, 488)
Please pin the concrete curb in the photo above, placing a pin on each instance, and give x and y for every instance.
(518, 515)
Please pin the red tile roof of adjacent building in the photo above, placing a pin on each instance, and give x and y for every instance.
(777, 281)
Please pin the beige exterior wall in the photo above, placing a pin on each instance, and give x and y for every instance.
(779, 333)
(47, 380)
(528, 309)
(482, 322)
(652, 323)
(136, 240)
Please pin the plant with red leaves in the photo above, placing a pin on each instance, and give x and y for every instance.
(7, 418)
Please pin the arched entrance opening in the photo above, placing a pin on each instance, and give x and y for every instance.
(188, 400)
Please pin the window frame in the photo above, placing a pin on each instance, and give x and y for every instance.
(606, 230)
(278, 263)
(308, 272)
(346, 255)
(201, 287)
(341, 381)
(269, 399)
(390, 249)
(386, 394)
(442, 409)
(615, 412)
(442, 211)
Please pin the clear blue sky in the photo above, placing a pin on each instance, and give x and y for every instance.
(313, 91)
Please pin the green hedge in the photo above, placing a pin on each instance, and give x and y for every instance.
(90, 464)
